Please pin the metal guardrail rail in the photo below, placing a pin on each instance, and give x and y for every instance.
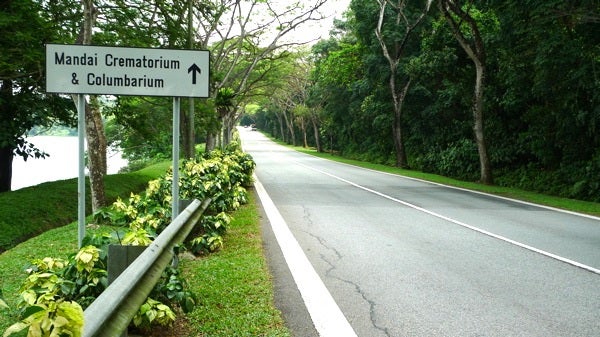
(110, 314)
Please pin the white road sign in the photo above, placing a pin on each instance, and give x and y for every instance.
(78, 69)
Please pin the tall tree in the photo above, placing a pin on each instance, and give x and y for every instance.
(459, 16)
(26, 26)
(94, 127)
(400, 29)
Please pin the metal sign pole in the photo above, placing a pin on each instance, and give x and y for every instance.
(81, 179)
(175, 185)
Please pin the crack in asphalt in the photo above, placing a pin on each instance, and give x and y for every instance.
(329, 273)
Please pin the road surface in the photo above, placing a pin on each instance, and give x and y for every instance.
(403, 257)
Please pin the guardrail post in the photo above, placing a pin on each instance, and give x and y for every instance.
(119, 258)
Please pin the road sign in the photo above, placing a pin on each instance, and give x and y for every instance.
(79, 69)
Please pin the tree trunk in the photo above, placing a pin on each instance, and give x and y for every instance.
(6, 152)
(190, 132)
(93, 121)
(96, 144)
(281, 127)
(6, 160)
(401, 160)
(189, 135)
(316, 133)
(226, 130)
(393, 57)
(478, 100)
(303, 128)
(476, 52)
(290, 128)
(211, 141)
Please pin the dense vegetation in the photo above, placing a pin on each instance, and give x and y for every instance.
(56, 290)
(540, 102)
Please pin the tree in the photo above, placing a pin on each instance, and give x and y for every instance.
(393, 47)
(94, 127)
(26, 26)
(466, 30)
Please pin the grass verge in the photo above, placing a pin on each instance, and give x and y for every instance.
(579, 206)
(234, 284)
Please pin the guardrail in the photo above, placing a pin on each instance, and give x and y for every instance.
(110, 314)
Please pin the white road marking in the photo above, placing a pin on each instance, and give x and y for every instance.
(327, 317)
(479, 230)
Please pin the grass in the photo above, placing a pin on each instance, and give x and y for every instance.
(579, 206)
(234, 284)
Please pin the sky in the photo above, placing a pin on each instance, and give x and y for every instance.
(334, 10)
(314, 30)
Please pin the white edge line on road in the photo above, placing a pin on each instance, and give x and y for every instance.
(583, 215)
(479, 230)
(327, 317)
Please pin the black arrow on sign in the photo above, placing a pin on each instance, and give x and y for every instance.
(193, 69)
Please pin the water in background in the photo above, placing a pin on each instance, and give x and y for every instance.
(61, 164)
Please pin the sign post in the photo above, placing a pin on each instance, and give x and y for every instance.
(81, 170)
(84, 69)
(175, 186)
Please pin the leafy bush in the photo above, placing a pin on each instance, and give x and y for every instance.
(154, 312)
(206, 243)
(172, 288)
(577, 180)
(57, 318)
(54, 292)
(459, 160)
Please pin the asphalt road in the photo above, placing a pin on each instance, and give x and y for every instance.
(402, 257)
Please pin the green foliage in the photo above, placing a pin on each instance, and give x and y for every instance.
(458, 160)
(81, 278)
(206, 243)
(153, 312)
(172, 289)
(210, 238)
(57, 318)
(218, 175)
(52, 295)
